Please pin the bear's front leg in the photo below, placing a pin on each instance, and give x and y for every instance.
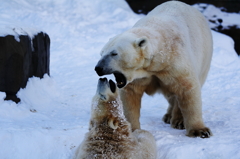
(131, 99)
(191, 107)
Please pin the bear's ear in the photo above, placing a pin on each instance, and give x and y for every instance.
(141, 42)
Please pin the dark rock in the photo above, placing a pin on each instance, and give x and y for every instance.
(234, 32)
(219, 27)
(41, 55)
(21, 60)
(212, 21)
(12, 96)
(220, 21)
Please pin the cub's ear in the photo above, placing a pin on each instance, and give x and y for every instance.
(113, 124)
(141, 42)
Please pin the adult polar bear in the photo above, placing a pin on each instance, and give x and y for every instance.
(167, 51)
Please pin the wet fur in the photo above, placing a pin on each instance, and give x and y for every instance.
(104, 142)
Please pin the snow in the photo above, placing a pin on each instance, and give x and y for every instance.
(213, 13)
(53, 115)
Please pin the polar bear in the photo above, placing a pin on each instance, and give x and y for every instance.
(110, 135)
(167, 51)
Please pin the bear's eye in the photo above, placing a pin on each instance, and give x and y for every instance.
(114, 54)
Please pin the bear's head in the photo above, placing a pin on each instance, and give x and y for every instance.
(125, 56)
(106, 105)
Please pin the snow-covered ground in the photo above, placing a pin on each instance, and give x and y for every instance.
(53, 115)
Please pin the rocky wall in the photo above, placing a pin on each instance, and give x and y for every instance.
(22, 59)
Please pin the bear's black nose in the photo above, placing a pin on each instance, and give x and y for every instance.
(99, 70)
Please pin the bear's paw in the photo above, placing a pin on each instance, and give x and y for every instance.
(177, 123)
(203, 133)
(167, 118)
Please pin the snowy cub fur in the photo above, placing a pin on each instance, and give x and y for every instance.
(110, 135)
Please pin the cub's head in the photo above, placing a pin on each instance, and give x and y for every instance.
(106, 105)
(125, 56)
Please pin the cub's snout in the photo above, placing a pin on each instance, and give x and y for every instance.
(106, 89)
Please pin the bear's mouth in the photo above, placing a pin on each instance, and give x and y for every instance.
(120, 79)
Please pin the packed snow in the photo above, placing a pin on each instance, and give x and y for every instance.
(53, 115)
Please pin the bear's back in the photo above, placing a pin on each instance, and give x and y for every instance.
(174, 8)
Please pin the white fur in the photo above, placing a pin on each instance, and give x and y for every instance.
(110, 135)
(175, 59)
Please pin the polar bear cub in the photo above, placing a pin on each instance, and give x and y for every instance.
(110, 135)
